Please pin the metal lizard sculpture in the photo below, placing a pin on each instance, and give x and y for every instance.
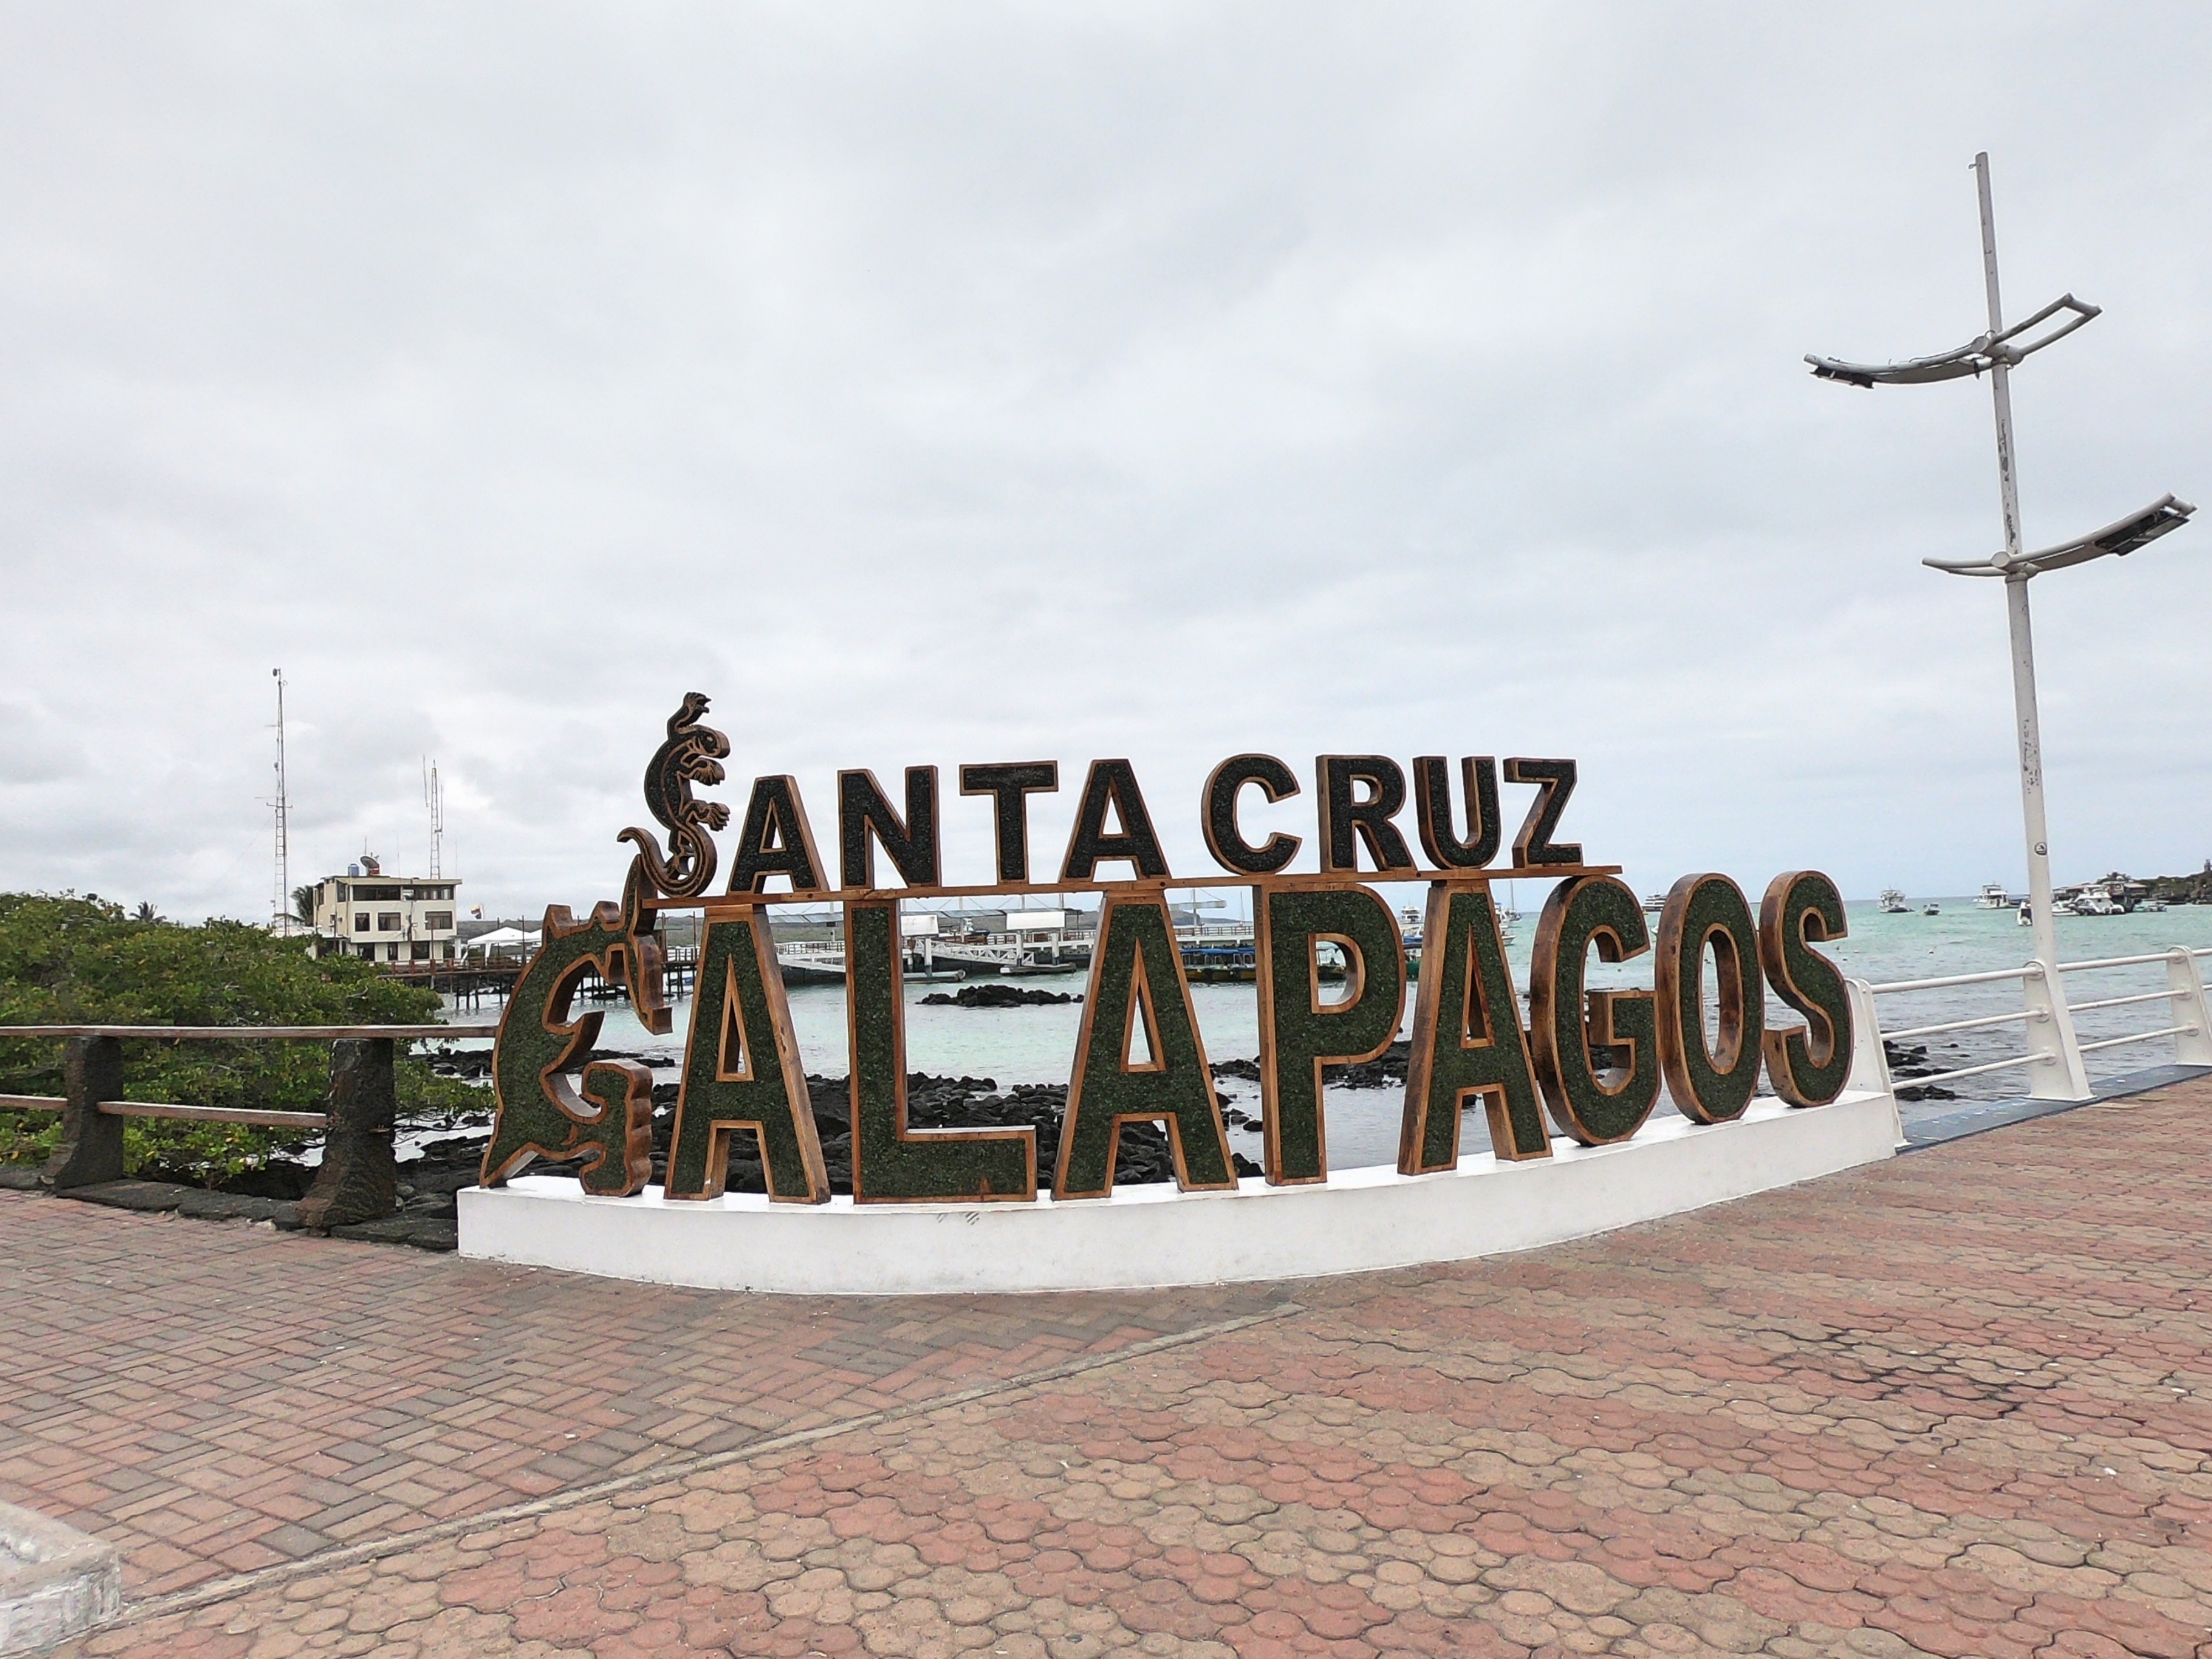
(693, 754)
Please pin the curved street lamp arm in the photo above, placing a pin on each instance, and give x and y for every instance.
(2120, 538)
(1982, 352)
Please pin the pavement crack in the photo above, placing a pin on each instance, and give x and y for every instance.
(347, 1555)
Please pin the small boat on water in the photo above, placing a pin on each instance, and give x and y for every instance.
(1931, 910)
(1893, 902)
(2152, 904)
(2093, 900)
(1993, 897)
(1232, 962)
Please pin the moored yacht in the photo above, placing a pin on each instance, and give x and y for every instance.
(1893, 902)
(1993, 897)
(2093, 900)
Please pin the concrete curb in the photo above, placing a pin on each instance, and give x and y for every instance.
(55, 1582)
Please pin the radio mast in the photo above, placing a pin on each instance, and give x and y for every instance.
(283, 908)
(433, 798)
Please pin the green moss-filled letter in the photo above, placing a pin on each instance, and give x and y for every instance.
(1298, 1032)
(541, 1113)
(742, 1073)
(1710, 1082)
(1594, 911)
(1806, 1067)
(1467, 1040)
(892, 1163)
(1137, 984)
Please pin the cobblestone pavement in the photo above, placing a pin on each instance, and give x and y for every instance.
(216, 1398)
(1952, 1405)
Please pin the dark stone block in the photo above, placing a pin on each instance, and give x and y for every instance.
(150, 1197)
(422, 1234)
(90, 1152)
(237, 1207)
(358, 1181)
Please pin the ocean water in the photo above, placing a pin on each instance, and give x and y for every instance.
(1037, 1044)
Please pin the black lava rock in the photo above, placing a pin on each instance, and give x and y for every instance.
(1388, 1071)
(996, 993)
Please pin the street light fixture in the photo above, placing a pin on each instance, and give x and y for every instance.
(1996, 352)
(2120, 538)
(1982, 352)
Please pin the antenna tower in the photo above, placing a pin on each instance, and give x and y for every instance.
(283, 908)
(434, 798)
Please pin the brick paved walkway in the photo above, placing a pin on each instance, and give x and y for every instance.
(216, 1398)
(1954, 1405)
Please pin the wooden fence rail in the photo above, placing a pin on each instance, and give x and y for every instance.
(358, 1180)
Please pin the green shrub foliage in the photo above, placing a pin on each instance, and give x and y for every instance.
(67, 960)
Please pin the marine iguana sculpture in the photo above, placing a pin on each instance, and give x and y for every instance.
(693, 754)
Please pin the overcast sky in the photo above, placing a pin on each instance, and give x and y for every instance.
(959, 383)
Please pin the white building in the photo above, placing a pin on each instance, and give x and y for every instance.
(389, 919)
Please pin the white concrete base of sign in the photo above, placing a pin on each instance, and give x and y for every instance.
(1146, 1237)
(55, 1582)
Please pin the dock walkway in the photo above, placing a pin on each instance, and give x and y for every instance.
(1955, 1404)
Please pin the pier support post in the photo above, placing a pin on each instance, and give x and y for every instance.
(2057, 1072)
(2192, 1045)
(91, 1147)
(359, 1180)
(1869, 1060)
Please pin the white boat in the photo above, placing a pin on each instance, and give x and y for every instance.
(1655, 902)
(1893, 902)
(2093, 900)
(2152, 904)
(1993, 897)
(1931, 910)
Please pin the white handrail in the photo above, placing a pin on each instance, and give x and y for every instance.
(2120, 962)
(2122, 1002)
(2141, 1036)
(2030, 971)
(1975, 1071)
(1964, 1025)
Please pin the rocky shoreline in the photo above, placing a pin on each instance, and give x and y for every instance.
(933, 1102)
(993, 994)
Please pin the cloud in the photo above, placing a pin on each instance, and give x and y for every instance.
(991, 382)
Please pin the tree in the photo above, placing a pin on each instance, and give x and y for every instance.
(303, 905)
(145, 912)
(70, 961)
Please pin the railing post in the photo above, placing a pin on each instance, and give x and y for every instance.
(2054, 1072)
(91, 1147)
(1869, 1062)
(2186, 981)
(359, 1180)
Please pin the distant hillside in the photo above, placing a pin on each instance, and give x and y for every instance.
(2185, 890)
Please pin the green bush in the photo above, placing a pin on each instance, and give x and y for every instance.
(66, 960)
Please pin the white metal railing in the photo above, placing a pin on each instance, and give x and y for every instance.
(2054, 1054)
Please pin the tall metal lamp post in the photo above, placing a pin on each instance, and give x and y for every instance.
(1996, 352)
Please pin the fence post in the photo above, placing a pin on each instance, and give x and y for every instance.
(358, 1181)
(91, 1147)
(1869, 1062)
(2056, 1072)
(2186, 982)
